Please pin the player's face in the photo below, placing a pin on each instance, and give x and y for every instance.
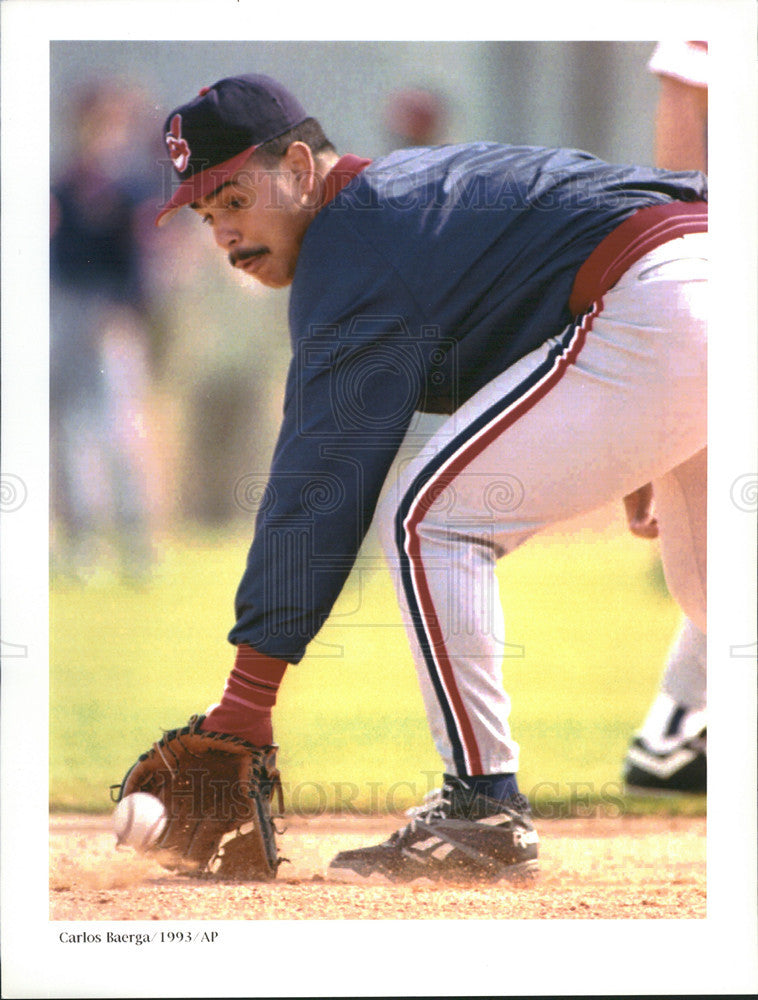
(259, 219)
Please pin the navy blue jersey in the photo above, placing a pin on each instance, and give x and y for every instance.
(429, 274)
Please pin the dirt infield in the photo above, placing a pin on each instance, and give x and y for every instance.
(594, 868)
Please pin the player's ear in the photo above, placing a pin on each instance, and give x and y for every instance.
(299, 160)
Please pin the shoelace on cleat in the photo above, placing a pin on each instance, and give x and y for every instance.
(436, 805)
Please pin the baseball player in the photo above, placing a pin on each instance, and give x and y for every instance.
(550, 307)
(668, 754)
(99, 331)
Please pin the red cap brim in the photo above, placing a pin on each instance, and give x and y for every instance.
(202, 184)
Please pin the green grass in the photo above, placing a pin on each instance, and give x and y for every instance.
(591, 615)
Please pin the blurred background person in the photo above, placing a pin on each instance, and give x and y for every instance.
(668, 754)
(221, 404)
(416, 116)
(99, 343)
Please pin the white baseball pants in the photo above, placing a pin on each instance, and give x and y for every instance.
(615, 401)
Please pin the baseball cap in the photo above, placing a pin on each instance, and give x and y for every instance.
(210, 138)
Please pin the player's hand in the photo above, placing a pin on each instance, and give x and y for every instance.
(640, 512)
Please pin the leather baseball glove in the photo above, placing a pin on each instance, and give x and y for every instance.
(217, 790)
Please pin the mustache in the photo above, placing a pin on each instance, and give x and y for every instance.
(236, 256)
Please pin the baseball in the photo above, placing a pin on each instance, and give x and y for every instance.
(138, 821)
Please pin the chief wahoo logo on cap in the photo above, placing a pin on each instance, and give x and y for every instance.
(178, 148)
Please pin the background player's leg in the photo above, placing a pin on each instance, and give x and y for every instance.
(681, 503)
(669, 753)
(684, 679)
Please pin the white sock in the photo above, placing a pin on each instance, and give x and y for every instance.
(684, 678)
(668, 724)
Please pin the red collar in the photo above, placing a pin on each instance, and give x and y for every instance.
(343, 171)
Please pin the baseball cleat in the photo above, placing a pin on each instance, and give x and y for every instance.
(682, 769)
(455, 836)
